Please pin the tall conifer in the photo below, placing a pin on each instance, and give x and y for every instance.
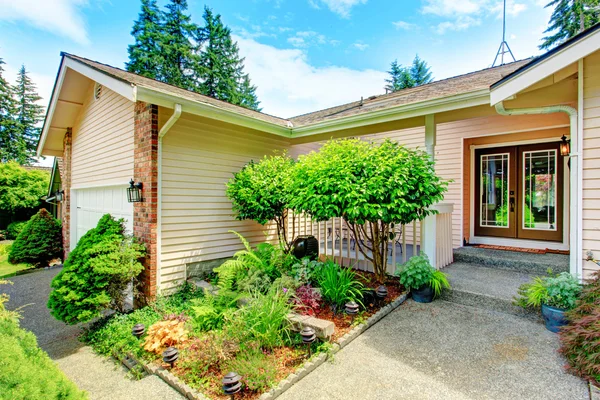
(28, 114)
(12, 144)
(145, 57)
(568, 19)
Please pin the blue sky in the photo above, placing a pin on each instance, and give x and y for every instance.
(303, 55)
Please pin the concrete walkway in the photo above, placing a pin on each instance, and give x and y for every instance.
(445, 351)
(99, 376)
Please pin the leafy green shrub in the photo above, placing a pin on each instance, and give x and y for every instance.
(26, 371)
(580, 339)
(257, 371)
(211, 311)
(306, 270)
(418, 272)
(96, 274)
(560, 291)
(256, 280)
(14, 228)
(338, 285)
(21, 190)
(39, 242)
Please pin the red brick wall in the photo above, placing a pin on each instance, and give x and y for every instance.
(64, 167)
(145, 170)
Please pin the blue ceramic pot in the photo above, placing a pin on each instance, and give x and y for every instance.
(553, 317)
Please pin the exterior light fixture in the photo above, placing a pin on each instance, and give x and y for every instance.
(381, 293)
(308, 337)
(352, 309)
(170, 355)
(138, 330)
(565, 146)
(59, 195)
(232, 384)
(134, 192)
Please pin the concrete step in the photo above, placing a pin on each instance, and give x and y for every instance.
(532, 263)
(487, 288)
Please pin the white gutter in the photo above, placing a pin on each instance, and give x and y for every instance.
(575, 240)
(161, 134)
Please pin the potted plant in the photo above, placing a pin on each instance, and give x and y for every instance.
(554, 294)
(424, 281)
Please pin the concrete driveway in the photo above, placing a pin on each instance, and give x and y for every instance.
(99, 376)
(445, 351)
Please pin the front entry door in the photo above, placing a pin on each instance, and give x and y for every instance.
(518, 192)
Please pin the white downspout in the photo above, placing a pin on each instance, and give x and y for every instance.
(161, 134)
(575, 242)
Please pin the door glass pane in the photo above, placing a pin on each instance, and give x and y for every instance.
(494, 190)
(539, 185)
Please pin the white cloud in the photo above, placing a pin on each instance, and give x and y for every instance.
(404, 25)
(306, 39)
(450, 8)
(288, 85)
(340, 7)
(360, 46)
(314, 4)
(61, 17)
(459, 24)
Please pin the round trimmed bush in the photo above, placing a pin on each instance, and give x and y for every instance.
(39, 242)
(14, 228)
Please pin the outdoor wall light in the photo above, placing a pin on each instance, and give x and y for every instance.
(308, 335)
(232, 384)
(565, 146)
(352, 309)
(170, 355)
(59, 195)
(138, 330)
(134, 192)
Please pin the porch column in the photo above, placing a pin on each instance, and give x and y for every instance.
(429, 244)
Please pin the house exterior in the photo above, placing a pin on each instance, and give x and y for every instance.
(495, 134)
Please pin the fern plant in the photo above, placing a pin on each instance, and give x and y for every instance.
(236, 268)
(211, 311)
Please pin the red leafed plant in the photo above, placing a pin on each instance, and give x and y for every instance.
(580, 339)
(307, 299)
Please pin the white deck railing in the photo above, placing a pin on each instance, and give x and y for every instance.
(336, 240)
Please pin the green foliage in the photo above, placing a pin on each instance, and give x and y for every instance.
(418, 73)
(257, 371)
(26, 371)
(265, 318)
(306, 270)
(96, 273)
(28, 116)
(12, 144)
(568, 19)
(560, 291)
(145, 57)
(580, 339)
(39, 242)
(339, 285)
(14, 228)
(211, 311)
(260, 191)
(366, 183)
(256, 280)
(418, 272)
(21, 189)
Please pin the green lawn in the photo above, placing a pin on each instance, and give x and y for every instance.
(6, 268)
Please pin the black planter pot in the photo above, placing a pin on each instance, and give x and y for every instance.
(424, 294)
(553, 317)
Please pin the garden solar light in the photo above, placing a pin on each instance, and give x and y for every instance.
(308, 337)
(352, 309)
(138, 330)
(170, 355)
(381, 293)
(232, 384)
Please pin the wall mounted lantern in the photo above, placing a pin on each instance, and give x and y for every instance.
(565, 146)
(59, 195)
(134, 192)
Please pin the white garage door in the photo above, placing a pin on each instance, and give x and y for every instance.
(92, 204)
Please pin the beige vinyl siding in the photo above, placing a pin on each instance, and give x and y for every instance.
(591, 160)
(103, 141)
(198, 158)
(449, 153)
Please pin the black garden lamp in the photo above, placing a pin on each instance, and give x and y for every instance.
(170, 355)
(308, 337)
(381, 293)
(352, 309)
(138, 330)
(134, 192)
(232, 384)
(565, 146)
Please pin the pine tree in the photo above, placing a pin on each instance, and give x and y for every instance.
(176, 48)
(12, 145)
(28, 115)
(420, 72)
(145, 56)
(568, 19)
(220, 67)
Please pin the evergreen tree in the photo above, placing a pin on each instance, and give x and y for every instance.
(221, 69)
(12, 145)
(419, 73)
(568, 19)
(28, 115)
(145, 56)
(176, 48)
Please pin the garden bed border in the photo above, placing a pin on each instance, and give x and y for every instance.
(310, 365)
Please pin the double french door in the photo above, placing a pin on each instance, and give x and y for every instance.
(519, 192)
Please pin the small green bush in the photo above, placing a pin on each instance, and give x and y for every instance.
(39, 242)
(14, 228)
(339, 285)
(210, 312)
(96, 274)
(257, 371)
(560, 291)
(418, 272)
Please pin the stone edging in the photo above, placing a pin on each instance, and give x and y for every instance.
(130, 361)
(594, 392)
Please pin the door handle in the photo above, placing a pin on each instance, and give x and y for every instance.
(512, 204)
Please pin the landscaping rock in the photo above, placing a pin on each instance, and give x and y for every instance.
(323, 328)
(200, 283)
